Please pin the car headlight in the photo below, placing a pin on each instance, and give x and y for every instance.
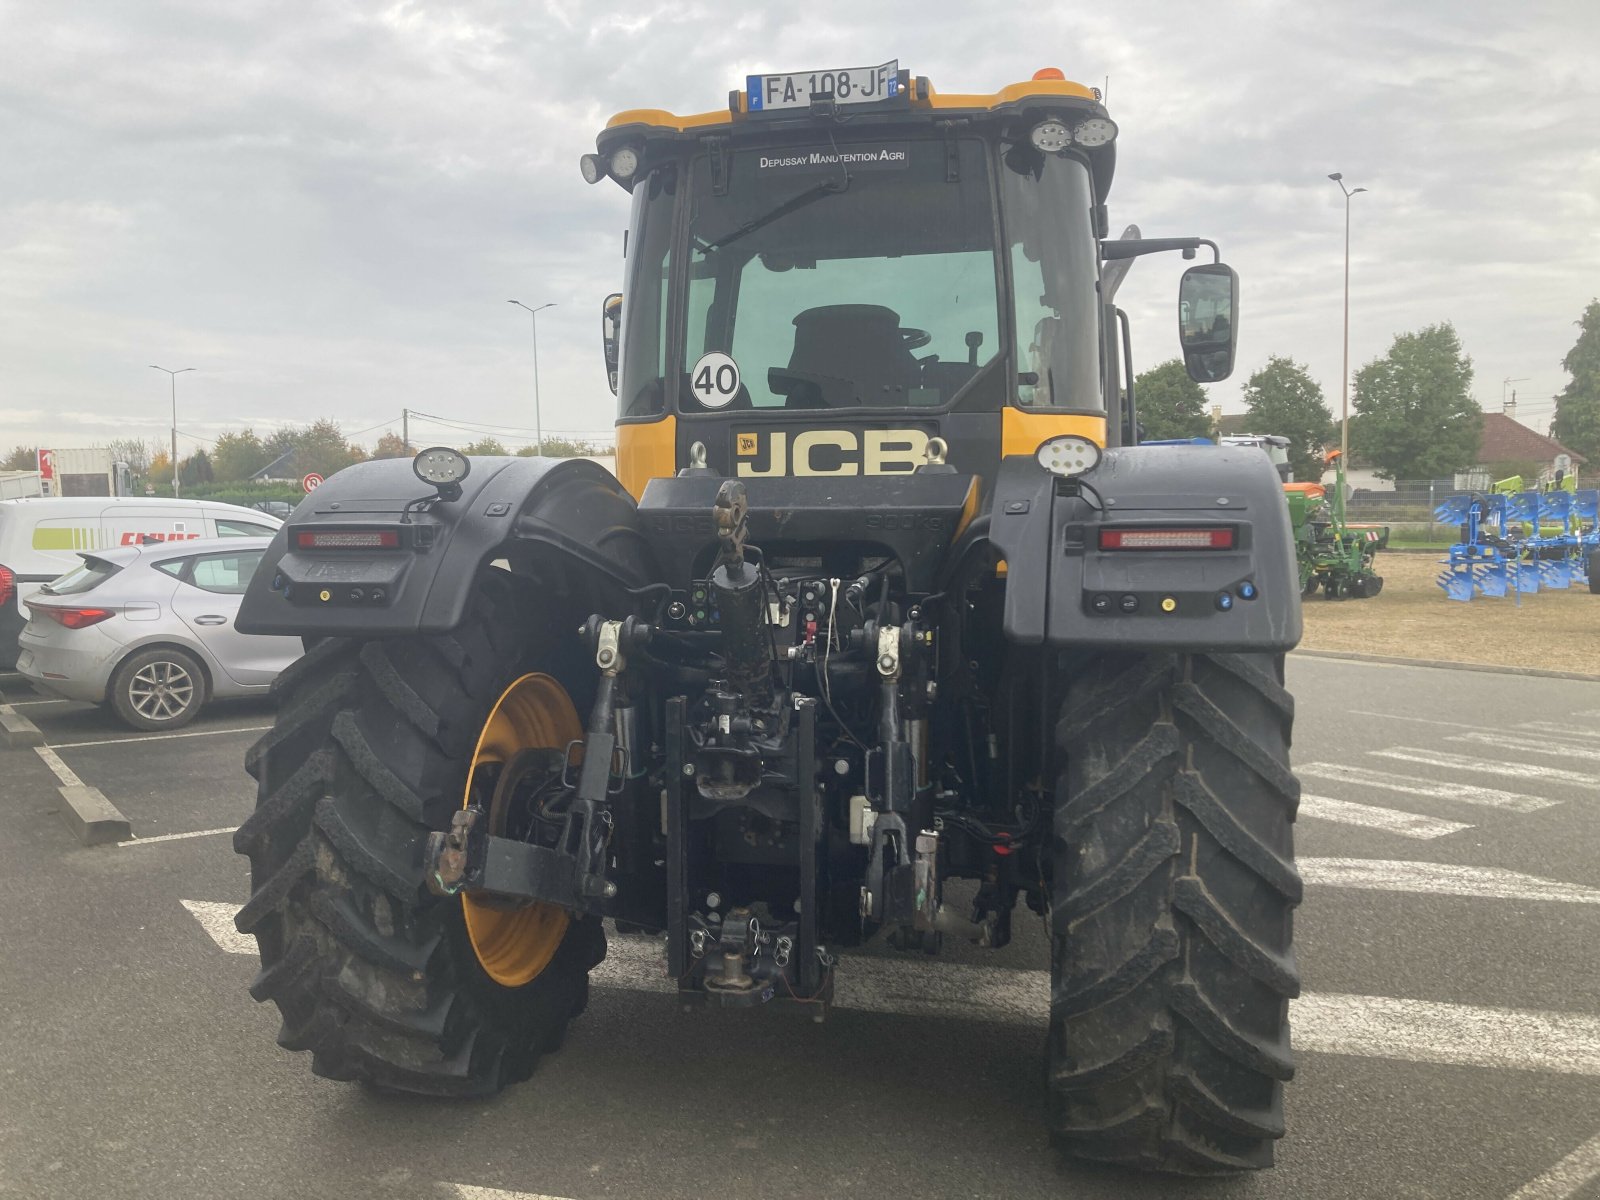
(1068, 455)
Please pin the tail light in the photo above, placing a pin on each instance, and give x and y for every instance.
(72, 618)
(8, 585)
(1191, 538)
(347, 539)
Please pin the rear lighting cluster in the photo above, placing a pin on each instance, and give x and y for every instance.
(1167, 539)
(8, 585)
(72, 618)
(347, 539)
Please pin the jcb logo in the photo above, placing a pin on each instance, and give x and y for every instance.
(830, 452)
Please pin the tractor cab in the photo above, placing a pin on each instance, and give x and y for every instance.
(843, 266)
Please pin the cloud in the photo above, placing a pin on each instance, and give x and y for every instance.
(324, 208)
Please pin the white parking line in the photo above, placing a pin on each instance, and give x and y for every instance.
(466, 1191)
(53, 761)
(1488, 766)
(217, 920)
(1576, 731)
(175, 837)
(1550, 749)
(1364, 712)
(1441, 879)
(1567, 1178)
(33, 703)
(1389, 820)
(1329, 1023)
(1411, 785)
(157, 737)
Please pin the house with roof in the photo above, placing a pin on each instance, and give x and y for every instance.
(1508, 447)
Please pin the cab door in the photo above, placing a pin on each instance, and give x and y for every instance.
(210, 589)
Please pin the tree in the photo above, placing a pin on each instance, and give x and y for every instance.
(1577, 423)
(196, 469)
(1418, 417)
(1171, 405)
(239, 455)
(160, 469)
(484, 445)
(322, 450)
(21, 458)
(555, 447)
(1283, 399)
(390, 445)
(133, 451)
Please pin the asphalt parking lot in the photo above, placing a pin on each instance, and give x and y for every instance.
(1449, 1037)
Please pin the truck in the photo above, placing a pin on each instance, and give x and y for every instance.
(90, 471)
(884, 630)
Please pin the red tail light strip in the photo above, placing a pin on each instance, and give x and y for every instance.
(1167, 539)
(347, 539)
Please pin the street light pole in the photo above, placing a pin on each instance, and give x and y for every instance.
(538, 424)
(173, 378)
(1344, 408)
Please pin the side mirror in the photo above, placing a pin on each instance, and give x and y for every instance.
(610, 325)
(1208, 321)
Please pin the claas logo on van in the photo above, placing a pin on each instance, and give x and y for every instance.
(139, 539)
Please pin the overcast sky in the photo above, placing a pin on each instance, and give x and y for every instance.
(323, 207)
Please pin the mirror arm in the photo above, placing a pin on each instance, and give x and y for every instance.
(1135, 247)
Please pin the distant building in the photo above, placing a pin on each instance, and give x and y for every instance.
(1506, 441)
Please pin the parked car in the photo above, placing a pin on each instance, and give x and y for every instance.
(149, 631)
(42, 537)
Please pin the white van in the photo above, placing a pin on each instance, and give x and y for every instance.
(40, 539)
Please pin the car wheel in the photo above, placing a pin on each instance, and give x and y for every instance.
(160, 688)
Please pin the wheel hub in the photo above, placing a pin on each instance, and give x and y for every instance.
(514, 944)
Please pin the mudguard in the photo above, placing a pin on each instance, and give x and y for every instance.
(1067, 586)
(567, 522)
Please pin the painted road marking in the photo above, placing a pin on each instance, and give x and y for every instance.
(1573, 731)
(53, 761)
(1567, 1178)
(1441, 879)
(34, 703)
(158, 737)
(176, 837)
(1551, 749)
(1411, 785)
(1365, 712)
(217, 920)
(1329, 1023)
(1389, 820)
(466, 1191)
(1489, 766)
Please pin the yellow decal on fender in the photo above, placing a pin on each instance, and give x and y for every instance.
(830, 452)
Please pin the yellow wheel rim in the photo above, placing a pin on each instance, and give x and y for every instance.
(514, 945)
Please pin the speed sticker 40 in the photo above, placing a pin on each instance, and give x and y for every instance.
(715, 380)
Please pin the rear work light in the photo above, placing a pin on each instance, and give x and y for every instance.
(72, 618)
(347, 539)
(1167, 539)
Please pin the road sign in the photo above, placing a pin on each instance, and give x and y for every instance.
(311, 482)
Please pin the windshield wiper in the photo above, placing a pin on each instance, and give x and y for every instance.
(810, 196)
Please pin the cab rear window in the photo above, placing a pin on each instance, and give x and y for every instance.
(84, 578)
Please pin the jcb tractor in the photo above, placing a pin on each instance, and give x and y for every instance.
(883, 626)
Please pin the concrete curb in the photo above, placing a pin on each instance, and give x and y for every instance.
(1443, 665)
(16, 730)
(92, 818)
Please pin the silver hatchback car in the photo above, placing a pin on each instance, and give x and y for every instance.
(149, 631)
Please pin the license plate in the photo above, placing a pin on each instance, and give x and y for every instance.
(850, 85)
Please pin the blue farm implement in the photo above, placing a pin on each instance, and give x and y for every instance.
(1520, 542)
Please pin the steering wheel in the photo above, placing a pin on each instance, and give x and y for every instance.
(914, 339)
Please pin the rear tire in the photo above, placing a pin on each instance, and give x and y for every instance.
(375, 976)
(1172, 962)
(158, 689)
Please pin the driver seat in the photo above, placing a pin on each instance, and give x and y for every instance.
(847, 355)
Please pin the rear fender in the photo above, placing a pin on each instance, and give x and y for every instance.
(1063, 589)
(566, 522)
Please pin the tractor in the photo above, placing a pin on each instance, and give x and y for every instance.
(882, 627)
